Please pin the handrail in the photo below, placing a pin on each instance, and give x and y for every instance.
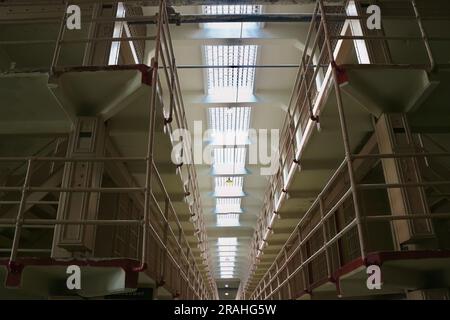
(281, 260)
(189, 260)
(36, 154)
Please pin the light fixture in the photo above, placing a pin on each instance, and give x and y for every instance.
(226, 285)
(226, 293)
(229, 181)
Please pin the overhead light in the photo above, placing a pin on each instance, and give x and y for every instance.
(229, 181)
(226, 285)
(226, 293)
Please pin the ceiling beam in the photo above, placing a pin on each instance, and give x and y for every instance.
(217, 18)
(153, 3)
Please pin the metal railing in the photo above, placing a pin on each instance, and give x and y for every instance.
(163, 72)
(323, 67)
(327, 236)
(163, 225)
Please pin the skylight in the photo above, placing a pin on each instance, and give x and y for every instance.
(227, 265)
(226, 254)
(229, 161)
(227, 259)
(228, 205)
(231, 9)
(228, 220)
(228, 186)
(230, 82)
(227, 241)
(229, 125)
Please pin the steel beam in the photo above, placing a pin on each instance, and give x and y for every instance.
(155, 3)
(215, 18)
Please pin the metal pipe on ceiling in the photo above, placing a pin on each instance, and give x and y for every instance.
(262, 66)
(155, 3)
(237, 66)
(215, 18)
(191, 18)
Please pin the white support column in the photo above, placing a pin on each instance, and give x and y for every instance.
(88, 140)
(394, 137)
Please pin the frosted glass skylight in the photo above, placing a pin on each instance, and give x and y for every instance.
(228, 205)
(229, 265)
(230, 82)
(226, 254)
(228, 186)
(227, 241)
(231, 9)
(226, 269)
(229, 161)
(227, 259)
(228, 220)
(229, 126)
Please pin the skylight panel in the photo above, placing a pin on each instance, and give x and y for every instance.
(226, 82)
(229, 265)
(231, 9)
(229, 161)
(227, 241)
(228, 220)
(228, 186)
(228, 248)
(229, 126)
(227, 259)
(226, 254)
(228, 205)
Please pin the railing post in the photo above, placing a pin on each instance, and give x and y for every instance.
(149, 158)
(20, 214)
(91, 33)
(287, 274)
(324, 233)
(302, 259)
(62, 30)
(424, 36)
(344, 131)
(165, 232)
